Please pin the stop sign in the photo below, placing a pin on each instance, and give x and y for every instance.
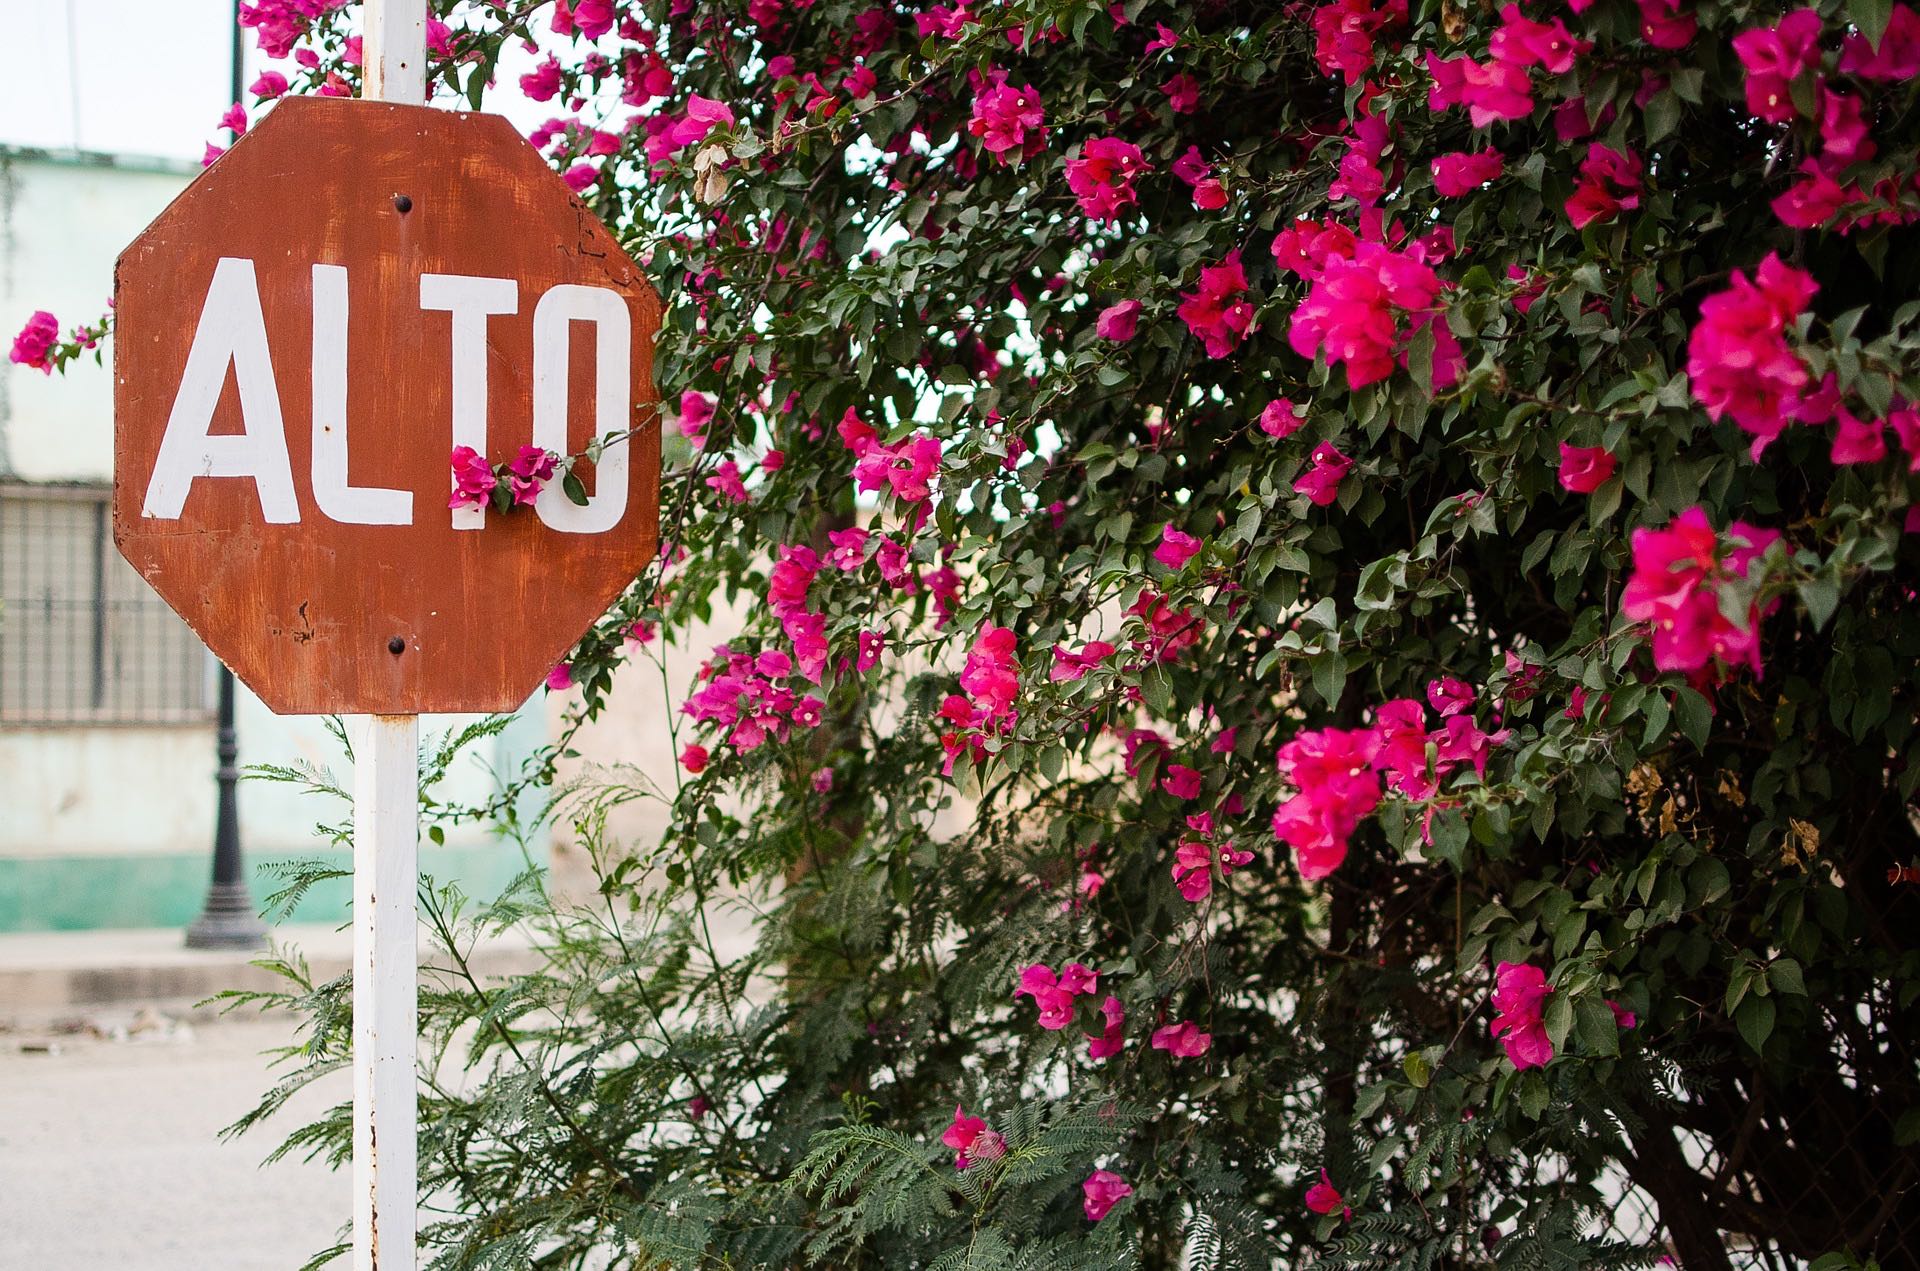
(306, 334)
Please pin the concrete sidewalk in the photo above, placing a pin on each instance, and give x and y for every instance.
(43, 974)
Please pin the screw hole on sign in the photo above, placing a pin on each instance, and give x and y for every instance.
(396, 646)
(403, 203)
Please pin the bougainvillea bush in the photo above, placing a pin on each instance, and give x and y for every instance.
(1325, 669)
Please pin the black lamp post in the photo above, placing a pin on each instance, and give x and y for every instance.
(228, 919)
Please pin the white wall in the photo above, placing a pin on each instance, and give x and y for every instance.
(62, 223)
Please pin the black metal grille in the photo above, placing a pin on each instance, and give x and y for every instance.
(83, 639)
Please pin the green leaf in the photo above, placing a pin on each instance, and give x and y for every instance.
(1754, 1019)
(1420, 360)
(1784, 975)
(1158, 690)
(1821, 596)
(1559, 1019)
(1662, 115)
(576, 490)
(1594, 1025)
(1695, 716)
(1871, 16)
(1532, 1093)
(1418, 1070)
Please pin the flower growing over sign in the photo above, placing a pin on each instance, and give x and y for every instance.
(516, 483)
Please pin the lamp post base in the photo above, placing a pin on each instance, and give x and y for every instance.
(228, 921)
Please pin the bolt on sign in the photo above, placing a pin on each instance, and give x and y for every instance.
(306, 334)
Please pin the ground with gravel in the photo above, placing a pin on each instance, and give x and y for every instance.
(110, 1155)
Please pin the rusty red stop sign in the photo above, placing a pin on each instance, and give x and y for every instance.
(306, 334)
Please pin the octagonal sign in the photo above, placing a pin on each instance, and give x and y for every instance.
(306, 334)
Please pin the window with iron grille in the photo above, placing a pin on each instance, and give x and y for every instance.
(83, 639)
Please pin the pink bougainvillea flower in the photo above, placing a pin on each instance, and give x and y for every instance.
(1400, 753)
(791, 577)
(849, 547)
(1169, 630)
(1183, 93)
(696, 412)
(991, 676)
(1009, 121)
(1112, 1036)
(1055, 994)
(1176, 548)
(560, 677)
(1324, 1198)
(693, 757)
(1217, 311)
(1844, 134)
(270, 85)
(1609, 185)
(1344, 34)
(1739, 363)
(1776, 56)
(1321, 482)
(1664, 26)
(1450, 696)
(702, 116)
(1069, 667)
(1306, 246)
(1460, 740)
(1519, 996)
(1193, 863)
(1622, 1017)
(1102, 177)
(727, 482)
(1353, 312)
(473, 478)
(1520, 41)
(542, 83)
(592, 18)
(1584, 469)
(1102, 1190)
(1181, 781)
(1118, 322)
(580, 176)
(34, 345)
(907, 467)
(529, 473)
(972, 1142)
(1332, 769)
(1281, 418)
(870, 644)
(1490, 91)
(1183, 1040)
(1462, 172)
(1855, 440)
(1675, 587)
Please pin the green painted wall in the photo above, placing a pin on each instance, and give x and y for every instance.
(78, 893)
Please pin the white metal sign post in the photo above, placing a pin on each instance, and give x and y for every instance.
(386, 848)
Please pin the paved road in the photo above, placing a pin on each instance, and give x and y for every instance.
(110, 1156)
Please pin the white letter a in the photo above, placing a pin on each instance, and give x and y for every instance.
(232, 332)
